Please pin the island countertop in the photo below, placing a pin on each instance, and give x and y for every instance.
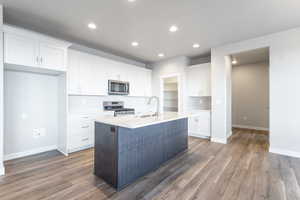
(133, 122)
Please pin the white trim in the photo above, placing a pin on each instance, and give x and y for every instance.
(229, 134)
(178, 76)
(30, 152)
(80, 148)
(285, 152)
(198, 136)
(251, 127)
(2, 170)
(219, 140)
(62, 152)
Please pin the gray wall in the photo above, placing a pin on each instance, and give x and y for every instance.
(284, 84)
(30, 102)
(250, 95)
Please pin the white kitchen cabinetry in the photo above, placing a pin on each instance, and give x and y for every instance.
(89, 75)
(199, 80)
(30, 49)
(199, 125)
(81, 132)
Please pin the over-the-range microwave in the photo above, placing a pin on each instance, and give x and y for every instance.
(118, 87)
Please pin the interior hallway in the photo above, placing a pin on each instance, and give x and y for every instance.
(242, 169)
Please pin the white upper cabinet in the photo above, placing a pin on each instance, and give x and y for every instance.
(52, 56)
(199, 80)
(89, 74)
(27, 48)
(20, 50)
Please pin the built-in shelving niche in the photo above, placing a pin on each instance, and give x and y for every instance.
(170, 95)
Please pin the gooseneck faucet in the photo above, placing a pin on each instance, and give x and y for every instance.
(157, 104)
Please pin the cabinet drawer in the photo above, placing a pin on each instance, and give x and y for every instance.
(79, 141)
(81, 127)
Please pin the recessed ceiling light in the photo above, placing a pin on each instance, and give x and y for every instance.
(134, 44)
(196, 46)
(131, 0)
(92, 26)
(234, 61)
(173, 29)
(161, 55)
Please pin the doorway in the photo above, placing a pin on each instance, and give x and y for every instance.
(250, 90)
(170, 93)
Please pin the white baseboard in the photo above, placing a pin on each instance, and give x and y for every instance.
(80, 148)
(198, 136)
(2, 170)
(229, 134)
(251, 127)
(62, 152)
(285, 152)
(29, 153)
(219, 140)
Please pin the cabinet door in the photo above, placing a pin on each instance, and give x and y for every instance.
(20, 50)
(73, 73)
(200, 125)
(86, 74)
(98, 79)
(52, 57)
(148, 83)
(192, 124)
(198, 80)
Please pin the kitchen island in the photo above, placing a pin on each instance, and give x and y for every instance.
(129, 147)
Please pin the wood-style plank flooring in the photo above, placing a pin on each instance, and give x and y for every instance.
(242, 169)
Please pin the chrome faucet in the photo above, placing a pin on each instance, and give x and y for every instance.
(157, 104)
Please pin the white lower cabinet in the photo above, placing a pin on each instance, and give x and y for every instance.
(81, 132)
(200, 125)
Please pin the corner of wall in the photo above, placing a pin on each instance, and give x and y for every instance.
(284, 152)
(2, 169)
(219, 140)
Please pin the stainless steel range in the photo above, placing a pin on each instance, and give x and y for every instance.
(118, 108)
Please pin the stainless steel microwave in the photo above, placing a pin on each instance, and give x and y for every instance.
(118, 87)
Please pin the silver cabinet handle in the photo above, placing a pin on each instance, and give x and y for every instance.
(85, 126)
(41, 60)
(37, 60)
(85, 139)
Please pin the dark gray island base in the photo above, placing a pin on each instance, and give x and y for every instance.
(123, 155)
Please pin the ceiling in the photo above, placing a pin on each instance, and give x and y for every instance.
(250, 57)
(210, 23)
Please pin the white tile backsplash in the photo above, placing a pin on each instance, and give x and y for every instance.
(94, 104)
(199, 103)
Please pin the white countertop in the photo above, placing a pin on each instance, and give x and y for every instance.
(138, 122)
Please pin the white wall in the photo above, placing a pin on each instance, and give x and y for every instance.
(168, 67)
(250, 95)
(31, 101)
(284, 87)
(1, 91)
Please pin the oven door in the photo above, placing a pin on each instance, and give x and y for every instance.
(118, 87)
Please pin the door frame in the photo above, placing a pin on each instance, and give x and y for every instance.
(178, 77)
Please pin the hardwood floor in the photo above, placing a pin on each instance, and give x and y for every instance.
(242, 169)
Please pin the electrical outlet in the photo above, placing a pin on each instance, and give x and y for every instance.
(36, 133)
(39, 132)
(245, 118)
